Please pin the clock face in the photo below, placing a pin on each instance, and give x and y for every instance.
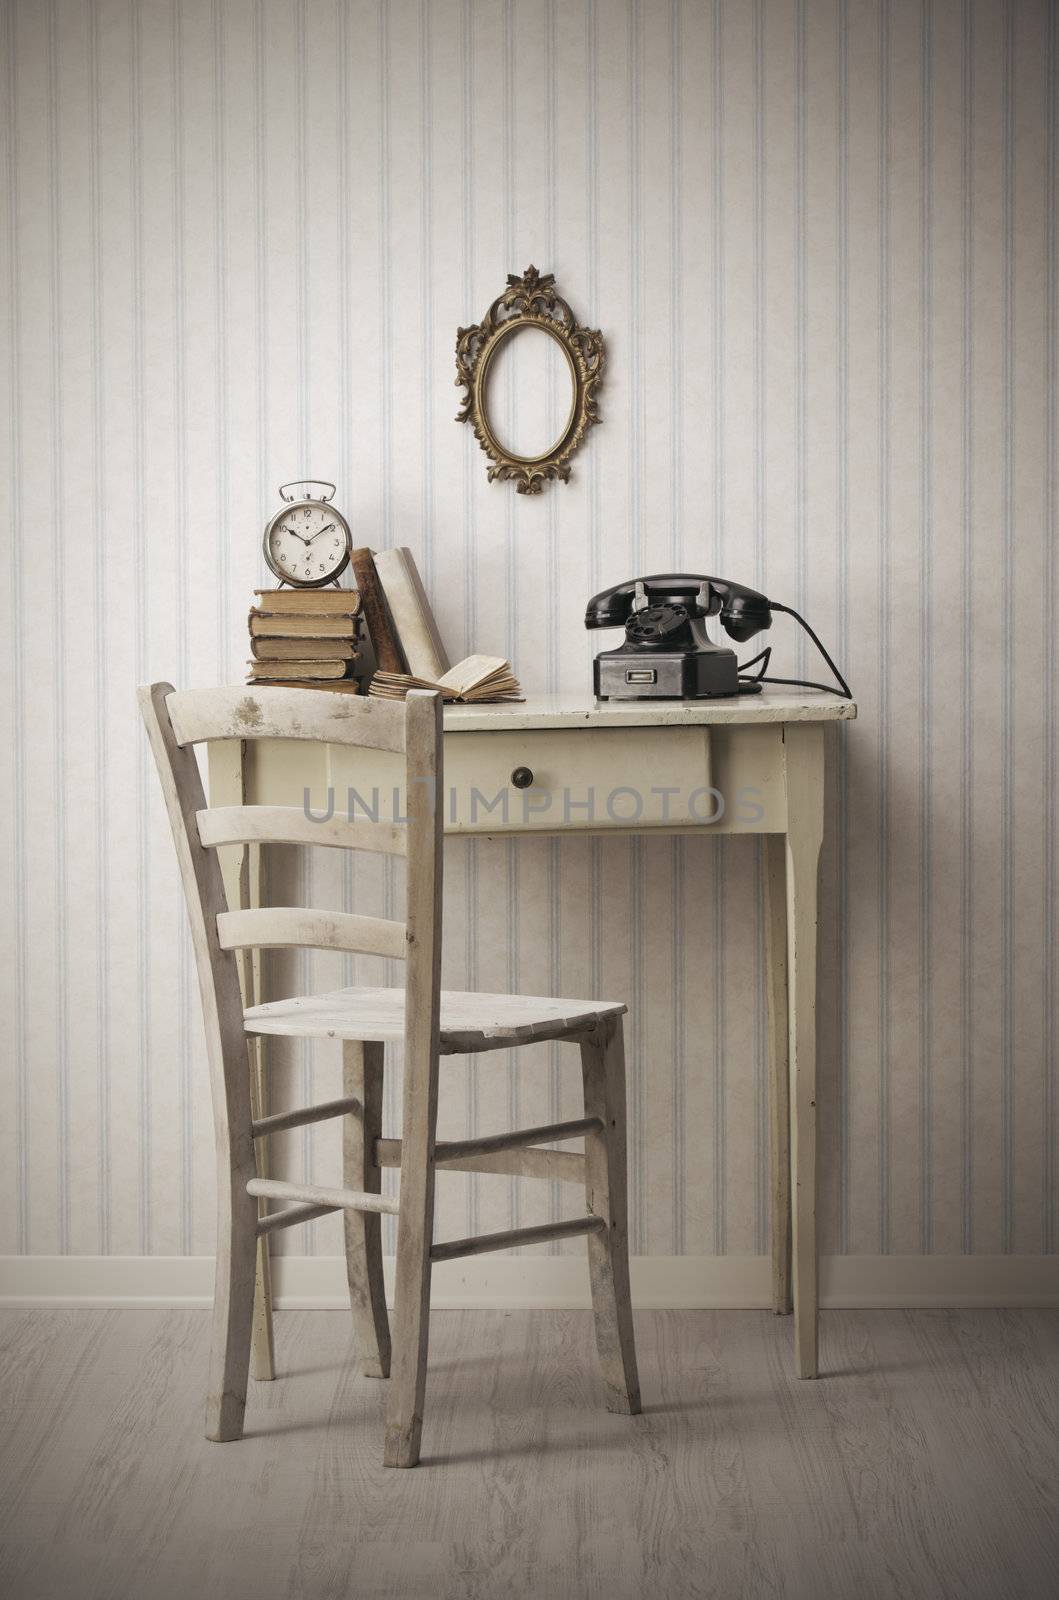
(307, 544)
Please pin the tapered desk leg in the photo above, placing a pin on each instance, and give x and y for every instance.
(804, 769)
(242, 868)
(775, 848)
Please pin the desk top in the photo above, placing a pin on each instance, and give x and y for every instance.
(582, 710)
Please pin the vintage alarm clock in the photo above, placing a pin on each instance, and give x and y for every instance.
(307, 542)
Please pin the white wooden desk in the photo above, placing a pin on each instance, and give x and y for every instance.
(621, 767)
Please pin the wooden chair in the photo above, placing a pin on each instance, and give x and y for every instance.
(430, 1022)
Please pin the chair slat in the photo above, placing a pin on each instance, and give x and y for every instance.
(278, 927)
(247, 712)
(219, 825)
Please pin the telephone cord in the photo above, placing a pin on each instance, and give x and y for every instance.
(765, 656)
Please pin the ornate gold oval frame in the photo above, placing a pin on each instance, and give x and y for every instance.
(529, 301)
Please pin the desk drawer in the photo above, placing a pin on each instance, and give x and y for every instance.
(628, 770)
(559, 780)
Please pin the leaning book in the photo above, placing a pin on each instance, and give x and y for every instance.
(477, 679)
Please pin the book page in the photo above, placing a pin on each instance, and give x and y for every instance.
(471, 672)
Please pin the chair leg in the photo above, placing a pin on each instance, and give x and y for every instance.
(415, 1230)
(404, 1419)
(603, 1066)
(363, 1074)
(233, 1313)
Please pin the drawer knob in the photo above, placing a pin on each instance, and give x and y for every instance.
(522, 778)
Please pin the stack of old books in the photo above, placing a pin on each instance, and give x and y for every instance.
(305, 637)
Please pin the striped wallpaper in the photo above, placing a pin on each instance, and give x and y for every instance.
(820, 239)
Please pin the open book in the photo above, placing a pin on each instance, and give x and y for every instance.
(475, 679)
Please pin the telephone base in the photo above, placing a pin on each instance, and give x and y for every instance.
(707, 673)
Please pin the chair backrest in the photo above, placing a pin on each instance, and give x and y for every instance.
(178, 720)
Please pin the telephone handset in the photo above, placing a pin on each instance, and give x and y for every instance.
(668, 653)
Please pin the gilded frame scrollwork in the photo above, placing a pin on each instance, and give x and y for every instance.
(529, 301)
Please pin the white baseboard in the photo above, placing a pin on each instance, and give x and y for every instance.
(554, 1282)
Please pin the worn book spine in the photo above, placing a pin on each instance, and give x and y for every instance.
(275, 626)
(410, 609)
(309, 649)
(388, 654)
(298, 669)
(328, 602)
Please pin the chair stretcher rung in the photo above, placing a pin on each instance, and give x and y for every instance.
(274, 1220)
(507, 1241)
(492, 1144)
(303, 1115)
(312, 1194)
(528, 1161)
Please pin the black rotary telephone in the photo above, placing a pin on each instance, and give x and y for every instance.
(668, 654)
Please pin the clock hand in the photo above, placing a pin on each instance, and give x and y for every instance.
(327, 528)
(297, 535)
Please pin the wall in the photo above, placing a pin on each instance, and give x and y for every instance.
(820, 239)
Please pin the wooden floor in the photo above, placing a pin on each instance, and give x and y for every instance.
(925, 1464)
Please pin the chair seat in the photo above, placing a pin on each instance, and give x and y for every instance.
(469, 1022)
